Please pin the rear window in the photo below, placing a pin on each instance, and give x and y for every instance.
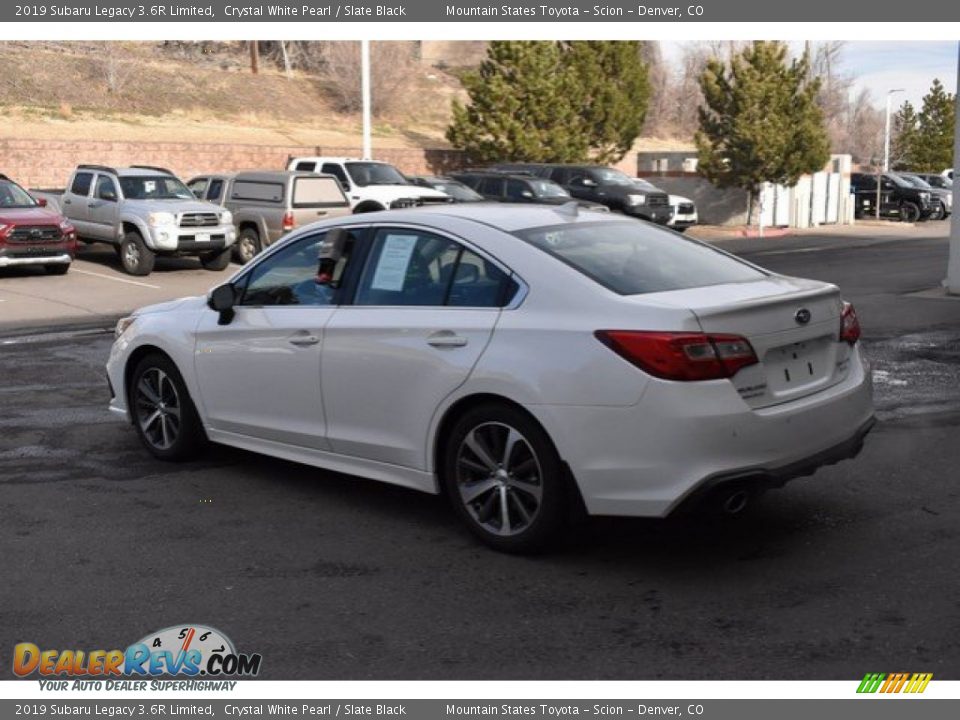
(632, 258)
(317, 192)
(265, 192)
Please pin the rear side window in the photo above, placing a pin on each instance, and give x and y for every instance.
(261, 191)
(560, 175)
(317, 192)
(492, 186)
(215, 190)
(306, 166)
(337, 171)
(636, 258)
(81, 183)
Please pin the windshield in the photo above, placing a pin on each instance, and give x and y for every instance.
(547, 188)
(635, 258)
(14, 196)
(939, 181)
(917, 182)
(154, 187)
(899, 181)
(372, 173)
(609, 176)
(458, 191)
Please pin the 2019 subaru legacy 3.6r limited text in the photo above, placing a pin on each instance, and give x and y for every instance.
(523, 360)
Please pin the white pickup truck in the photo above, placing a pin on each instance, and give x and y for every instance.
(144, 211)
(370, 185)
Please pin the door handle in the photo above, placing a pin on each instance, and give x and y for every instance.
(303, 340)
(446, 339)
(321, 212)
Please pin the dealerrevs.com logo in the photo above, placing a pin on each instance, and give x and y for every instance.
(887, 683)
(182, 650)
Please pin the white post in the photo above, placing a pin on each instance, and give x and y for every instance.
(953, 265)
(365, 90)
(886, 133)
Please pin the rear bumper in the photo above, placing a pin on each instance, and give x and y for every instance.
(647, 459)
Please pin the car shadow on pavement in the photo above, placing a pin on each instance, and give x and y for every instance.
(102, 254)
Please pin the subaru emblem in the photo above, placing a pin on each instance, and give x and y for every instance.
(802, 316)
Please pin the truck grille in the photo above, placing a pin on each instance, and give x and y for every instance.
(192, 220)
(35, 233)
(657, 200)
(434, 201)
(403, 203)
(685, 208)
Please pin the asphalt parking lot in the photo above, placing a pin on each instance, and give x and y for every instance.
(852, 570)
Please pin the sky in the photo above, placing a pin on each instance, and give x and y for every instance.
(883, 66)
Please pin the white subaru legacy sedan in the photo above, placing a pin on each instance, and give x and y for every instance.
(525, 361)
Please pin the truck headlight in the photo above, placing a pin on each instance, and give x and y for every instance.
(226, 218)
(122, 325)
(159, 219)
(636, 199)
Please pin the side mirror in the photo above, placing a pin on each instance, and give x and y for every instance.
(198, 194)
(41, 202)
(222, 299)
(345, 186)
(527, 194)
(587, 182)
(331, 252)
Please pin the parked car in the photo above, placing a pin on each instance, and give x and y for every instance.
(684, 213)
(604, 185)
(144, 211)
(460, 192)
(370, 185)
(32, 233)
(268, 204)
(523, 359)
(941, 200)
(941, 182)
(519, 188)
(898, 198)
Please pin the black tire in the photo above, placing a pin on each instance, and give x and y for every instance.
(368, 207)
(939, 212)
(247, 245)
(526, 486)
(57, 268)
(218, 260)
(135, 257)
(164, 416)
(909, 212)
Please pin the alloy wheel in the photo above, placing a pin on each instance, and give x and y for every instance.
(131, 255)
(499, 479)
(158, 408)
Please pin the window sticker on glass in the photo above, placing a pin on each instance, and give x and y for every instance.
(394, 261)
(149, 187)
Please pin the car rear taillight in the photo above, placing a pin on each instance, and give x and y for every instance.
(288, 222)
(849, 324)
(681, 356)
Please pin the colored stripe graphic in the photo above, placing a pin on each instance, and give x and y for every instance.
(894, 683)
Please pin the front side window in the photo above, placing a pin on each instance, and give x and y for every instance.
(635, 258)
(415, 268)
(216, 189)
(106, 189)
(289, 277)
(197, 187)
(517, 191)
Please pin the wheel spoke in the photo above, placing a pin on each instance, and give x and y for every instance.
(513, 437)
(479, 448)
(154, 416)
(165, 431)
(524, 467)
(521, 508)
(532, 489)
(473, 465)
(144, 387)
(471, 491)
(485, 514)
(504, 511)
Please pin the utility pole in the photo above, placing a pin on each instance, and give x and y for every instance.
(365, 91)
(953, 264)
(254, 57)
(886, 150)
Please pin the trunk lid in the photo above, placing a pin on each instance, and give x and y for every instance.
(793, 325)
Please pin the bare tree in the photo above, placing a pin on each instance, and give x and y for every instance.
(114, 68)
(391, 65)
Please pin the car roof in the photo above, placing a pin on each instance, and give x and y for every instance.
(140, 172)
(274, 175)
(499, 174)
(333, 159)
(506, 217)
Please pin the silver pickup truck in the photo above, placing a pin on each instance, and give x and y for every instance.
(144, 211)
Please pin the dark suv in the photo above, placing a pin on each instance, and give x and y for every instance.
(604, 185)
(941, 193)
(519, 188)
(898, 198)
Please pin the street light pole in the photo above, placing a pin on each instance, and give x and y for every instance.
(953, 264)
(365, 92)
(886, 149)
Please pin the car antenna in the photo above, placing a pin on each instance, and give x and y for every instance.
(570, 209)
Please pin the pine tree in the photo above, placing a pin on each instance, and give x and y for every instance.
(553, 102)
(524, 103)
(933, 146)
(760, 121)
(615, 93)
(904, 132)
